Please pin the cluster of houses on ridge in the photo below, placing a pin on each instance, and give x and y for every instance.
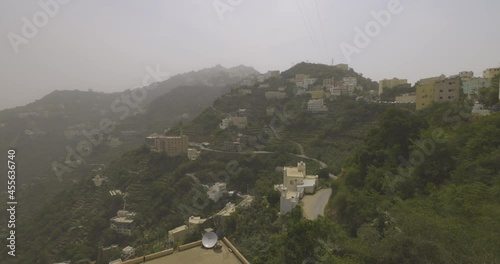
(319, 90)
(441, 88)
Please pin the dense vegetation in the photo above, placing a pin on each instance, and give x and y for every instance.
(390, 94)
(422, 188)
(412, 187)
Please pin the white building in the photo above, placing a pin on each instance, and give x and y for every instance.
(350, 81)
(296, 183)
(225, 123)
(127, 252)
(216, 191)
(316, 106)
(305, 83)
(248, 82)
(123, 222)
(237, 121)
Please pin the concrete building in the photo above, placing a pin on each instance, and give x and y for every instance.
(237, 121)
(288, 199)
(274, 95)
(195, 222)
(123, 222)
(491, 73)
(329, 83)
(425, 91)
(225, 123)
(336, 91)
(350, 82)
(273, 74)
(316, 106)
(171, 145)
(127, 252)
(472, 86)
(389, 84)
(216, 191)
(178, 234)
(304, 81)
(296, 183)
(300, 77)
(464, 75)
(447, 90)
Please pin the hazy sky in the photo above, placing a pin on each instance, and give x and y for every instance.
(107, 45)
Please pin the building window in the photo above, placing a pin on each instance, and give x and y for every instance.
(440, 97)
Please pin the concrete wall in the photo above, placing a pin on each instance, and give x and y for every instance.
(190, 245)
(150, 256)
(134, 261)
(159, 254)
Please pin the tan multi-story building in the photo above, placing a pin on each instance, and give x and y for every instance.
(389, 84)
(447, 90)
(437, 89)
(464, 75)
(328, 82)
(491, 72)
(171, 145)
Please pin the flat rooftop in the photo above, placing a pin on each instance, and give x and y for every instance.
(199, 255)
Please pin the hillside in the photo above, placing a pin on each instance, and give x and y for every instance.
(154, 183)
(410, 186)
(52, 131)
(322, 71)
(217, 76)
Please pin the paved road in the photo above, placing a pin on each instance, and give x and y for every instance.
(314, 205)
